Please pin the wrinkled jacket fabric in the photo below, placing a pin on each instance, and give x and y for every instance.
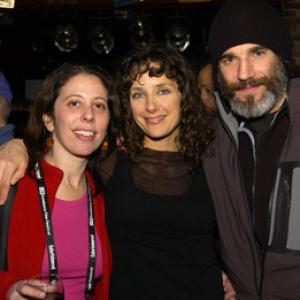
(6, 133)
(26, 234)
(275, 274)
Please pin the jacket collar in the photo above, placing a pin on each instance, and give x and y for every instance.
(227, 117)
(293, 100)
(55, 175)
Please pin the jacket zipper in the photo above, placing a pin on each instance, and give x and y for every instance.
(258, 286)
(260, 250)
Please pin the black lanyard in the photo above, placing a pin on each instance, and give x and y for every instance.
(89, 286)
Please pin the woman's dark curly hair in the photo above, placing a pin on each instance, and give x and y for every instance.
(195, 128)
(36, 134)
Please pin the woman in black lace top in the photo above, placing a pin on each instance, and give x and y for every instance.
(159, 211)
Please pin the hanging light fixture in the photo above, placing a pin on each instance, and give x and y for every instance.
(141, 32)
(177, 36)
(66, 37)
(101, 40)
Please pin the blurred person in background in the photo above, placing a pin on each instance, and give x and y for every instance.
(205, 82)
(6, 96)
(19, 115)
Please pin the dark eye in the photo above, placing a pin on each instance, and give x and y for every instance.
(209, 90)
(101, 106)
(228, 59)
(73, 103)
(259, 52)
(164, 91)
(136, 95)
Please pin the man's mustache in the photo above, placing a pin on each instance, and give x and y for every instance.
(251, 82)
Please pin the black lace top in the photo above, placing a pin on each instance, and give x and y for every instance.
(162, 229)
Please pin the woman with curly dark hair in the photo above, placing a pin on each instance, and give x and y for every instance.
(159, 211)
(194, 129)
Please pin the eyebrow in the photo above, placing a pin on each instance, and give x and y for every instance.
(250, 50)
(136, 88)
(206, 85)
(257, 48)
(139, 87)
(102, 98)
(80, 96)
(226, 55)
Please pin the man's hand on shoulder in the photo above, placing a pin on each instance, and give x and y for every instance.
(13, 164)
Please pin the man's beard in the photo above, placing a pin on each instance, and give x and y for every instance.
(249, 108)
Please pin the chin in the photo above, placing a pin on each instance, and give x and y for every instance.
(156, 136)
(84, 152)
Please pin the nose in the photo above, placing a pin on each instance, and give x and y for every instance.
(151, 104)
(245, 69)
(88, 114)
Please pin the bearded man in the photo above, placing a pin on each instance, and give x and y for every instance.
(254, 175)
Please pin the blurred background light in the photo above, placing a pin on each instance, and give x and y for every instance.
(101, 40)
(177, 36)
(121, 3)
(66, 37)
(141, 32)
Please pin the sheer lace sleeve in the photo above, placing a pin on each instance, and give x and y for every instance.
(107, 167)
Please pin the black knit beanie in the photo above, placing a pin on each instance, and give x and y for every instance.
(248, 21)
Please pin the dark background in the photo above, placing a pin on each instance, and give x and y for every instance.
(27, 49)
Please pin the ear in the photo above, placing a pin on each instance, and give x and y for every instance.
(48, 122)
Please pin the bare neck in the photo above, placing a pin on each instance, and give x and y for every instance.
(73, 184)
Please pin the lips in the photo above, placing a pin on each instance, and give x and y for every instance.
(85, 134)
(248, 89)
(154, 120)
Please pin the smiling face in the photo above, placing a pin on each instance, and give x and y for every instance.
(80, 117)
(155, 106)
(253, 80)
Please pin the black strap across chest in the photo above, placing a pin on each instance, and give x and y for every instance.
(52, 257)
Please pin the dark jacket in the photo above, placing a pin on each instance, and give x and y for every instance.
(26, 238)
(275, 273)
(6, 133)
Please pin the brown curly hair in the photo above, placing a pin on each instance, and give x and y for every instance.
(36, 134)
(195, 127)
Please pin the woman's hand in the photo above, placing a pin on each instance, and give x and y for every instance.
(13, 163)
(228, 288)
(24, 289)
